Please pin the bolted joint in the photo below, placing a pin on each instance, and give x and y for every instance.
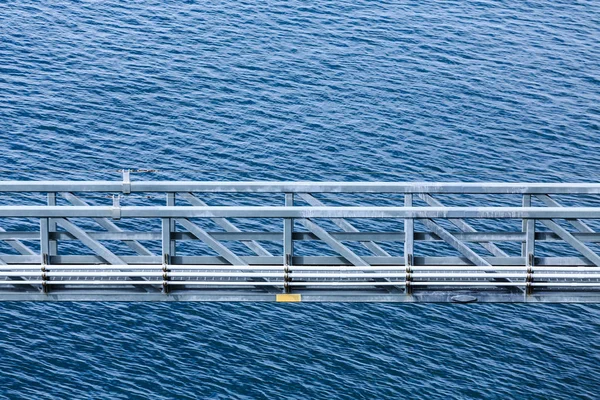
(45, 285)
(286, 279)
(408, 279)
(165, 275)
(529, 280)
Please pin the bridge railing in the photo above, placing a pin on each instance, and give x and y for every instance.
(382, 238)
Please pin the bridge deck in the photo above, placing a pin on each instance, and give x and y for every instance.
(299, 241)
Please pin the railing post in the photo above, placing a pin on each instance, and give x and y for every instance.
(288, 242)
(44, 249)
(166, 250)
(53, 246)
(528, 251)
(172, 227)
(526, 203)
(166, 239)
(409, 242)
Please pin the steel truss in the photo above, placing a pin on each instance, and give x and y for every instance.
(299, 241)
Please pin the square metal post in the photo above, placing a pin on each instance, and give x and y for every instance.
(172, 227)
(526, 203)
(166, 240)
(409, 242)
(44, 240)
(409, 233)
(53, 248)
(288, 241)
(529, 252)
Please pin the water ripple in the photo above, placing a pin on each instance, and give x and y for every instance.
(332, 90)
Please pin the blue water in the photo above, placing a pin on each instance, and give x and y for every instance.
(323, 90)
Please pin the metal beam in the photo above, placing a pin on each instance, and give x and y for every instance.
(301, 187)
(395, 236)
(301, 212)
(409, 232)
(51, 201)
(288, 232)
(173, 225)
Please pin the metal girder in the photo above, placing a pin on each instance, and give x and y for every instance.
(345, 275)
(298, 260)
(346, 226)
(109, 226)
(228, 226)
(409, 235)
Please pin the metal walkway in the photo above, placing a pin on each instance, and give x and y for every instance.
(299, 241)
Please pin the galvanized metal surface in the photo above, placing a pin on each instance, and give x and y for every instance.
(310, 241)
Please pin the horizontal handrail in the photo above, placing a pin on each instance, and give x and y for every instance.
(301, 187)
(297, 212)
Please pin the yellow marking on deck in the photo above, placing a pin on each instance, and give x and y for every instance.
(288, 298)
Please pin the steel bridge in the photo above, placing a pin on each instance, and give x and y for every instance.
(130, 240)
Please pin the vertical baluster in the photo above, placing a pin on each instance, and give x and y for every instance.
(529, 247)
(288, 241)
(44, 249)
(172, 227)
(526, 203)
(409, 236)
(53, 247)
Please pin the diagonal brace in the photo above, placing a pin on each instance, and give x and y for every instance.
(96, 246)
(578, 224)
(99, 248)
(228, 226)
(214, 244)
(346, 226)
(333, 243)
(110, 226)
(339, 247)
(463, 226)
(447, 237)
(19, 246)
(572, 240)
